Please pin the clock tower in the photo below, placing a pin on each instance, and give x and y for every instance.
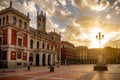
(41, 22)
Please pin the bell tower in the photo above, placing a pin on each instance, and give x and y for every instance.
(41, 22)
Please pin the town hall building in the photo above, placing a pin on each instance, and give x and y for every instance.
(22, 45)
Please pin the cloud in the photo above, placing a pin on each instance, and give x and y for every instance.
(95, 5)
(74, 18)
(62, 16)
(79, 31)
(75, 34)
(108, 16)
(48, 6)
(86, 21)
(113, 43)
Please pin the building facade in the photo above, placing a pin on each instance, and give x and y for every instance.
(82, 54)
(93, 55)
(68, 53)
(90, 56)
(22, 45)
(112, 55)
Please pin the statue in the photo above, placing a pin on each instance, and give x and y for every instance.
(10, 3)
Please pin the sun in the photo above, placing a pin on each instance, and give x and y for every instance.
(95, 42)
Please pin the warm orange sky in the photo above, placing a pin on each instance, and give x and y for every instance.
(79, 21)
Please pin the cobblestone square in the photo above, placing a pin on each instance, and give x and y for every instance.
(73, 72)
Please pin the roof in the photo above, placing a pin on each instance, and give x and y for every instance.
(10, 8)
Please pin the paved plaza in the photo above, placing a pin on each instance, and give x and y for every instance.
(72, 72)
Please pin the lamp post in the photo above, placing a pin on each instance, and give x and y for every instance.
(101, 65)
(99, 37)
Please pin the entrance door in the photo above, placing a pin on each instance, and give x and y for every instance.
(43, 60)
(49, 59)
(37, 59)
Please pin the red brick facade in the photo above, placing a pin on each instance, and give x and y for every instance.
(4, 56)
(13, 37)
(68, 53)
(13, 55)
(24, 56)
(5, 35)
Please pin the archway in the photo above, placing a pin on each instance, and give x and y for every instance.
(30, 58)
(37, 59)
(43, 60)
(53, 59)
(49, 59)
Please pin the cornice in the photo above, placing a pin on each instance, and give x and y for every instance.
(14, 11)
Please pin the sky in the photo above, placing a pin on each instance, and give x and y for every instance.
(78, 21)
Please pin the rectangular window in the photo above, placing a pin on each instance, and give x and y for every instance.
(19, 55)
(25, 25)
(3, 20)
(52, 48)
(19, 42)
(20, 23)
(0, 41)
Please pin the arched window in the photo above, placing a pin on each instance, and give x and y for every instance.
(14, 20)
(0, 21)
(31, 57)
(43, 45)
(7, 19)
(37, 44)
(48, 46)
(3, 20)
(31, 43)
(25, 25)
(20, 23)
(52, 48)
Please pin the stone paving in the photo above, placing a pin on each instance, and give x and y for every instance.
(73, 72)
(113, 73)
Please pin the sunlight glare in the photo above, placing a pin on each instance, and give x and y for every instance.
(94, 41)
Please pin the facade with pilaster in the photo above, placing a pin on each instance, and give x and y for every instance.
(68, 53)
(82, 54)
(22, 45)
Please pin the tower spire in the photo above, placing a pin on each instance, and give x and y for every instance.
(41, 22)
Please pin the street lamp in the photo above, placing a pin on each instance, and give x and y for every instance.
(101, 65)
(99, 37)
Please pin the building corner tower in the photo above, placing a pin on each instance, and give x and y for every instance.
(41, 22)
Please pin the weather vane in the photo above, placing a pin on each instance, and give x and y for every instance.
(99, 37)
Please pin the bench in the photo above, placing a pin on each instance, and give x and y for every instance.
(8, 70)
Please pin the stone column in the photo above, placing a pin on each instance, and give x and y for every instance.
(9, 36)
(8, 55)
(46, 59)
(51, 59)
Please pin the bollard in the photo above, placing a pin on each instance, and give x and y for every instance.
(51, 68)
(28, 68)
